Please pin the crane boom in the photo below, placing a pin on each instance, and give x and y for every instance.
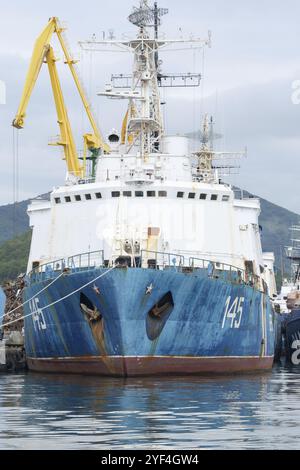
(43, 52)
(93, 140)
(40, 50)
(66, 135)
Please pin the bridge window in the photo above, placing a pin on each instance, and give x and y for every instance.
(214, 197)
(225, 198)
(180, 194)
(162, 193)
(150, 193)
(203, 196)
(98, 196)
(77, 197)
(127, 193)
(115, 194)
(57, 200)
(192, 195)
(67, 199)
(139, 194)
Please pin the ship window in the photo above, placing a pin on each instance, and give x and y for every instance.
(150, 193)
(214, 197)
(192, 195)
(88, 197)
(203, 196)
(139, 194)
(67, 199)
(98, 196)
(162, 193)
(127, 193)
(115, 194)
(225, 198)
(57, 200)
(77, 197)
(180, 194)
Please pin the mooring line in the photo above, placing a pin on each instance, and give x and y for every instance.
(39, 292)
(58, 300)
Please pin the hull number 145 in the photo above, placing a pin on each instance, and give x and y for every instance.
(233, 312)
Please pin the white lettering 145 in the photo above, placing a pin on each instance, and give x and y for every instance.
(233, 311)
(37, 314)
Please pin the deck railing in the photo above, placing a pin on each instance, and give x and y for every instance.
(81, 262)
(148, 260)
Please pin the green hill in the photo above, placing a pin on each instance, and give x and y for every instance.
(15, 235)
(14, 255)
(275, 222)
(13, 220)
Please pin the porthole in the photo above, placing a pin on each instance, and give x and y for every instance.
(67, 199)
(77, 197)
(88, 197)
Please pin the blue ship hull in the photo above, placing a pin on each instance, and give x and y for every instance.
(135, 321)
(2, 304)
(291, 334)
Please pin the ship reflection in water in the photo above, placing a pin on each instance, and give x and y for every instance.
(73, 412)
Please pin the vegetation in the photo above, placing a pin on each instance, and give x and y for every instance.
(13, 220)
(13, 256)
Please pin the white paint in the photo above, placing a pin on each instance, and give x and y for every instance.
(2, 353)
(233, 311)
(296, 354)
(207, 228)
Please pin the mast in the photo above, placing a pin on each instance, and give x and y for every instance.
(143, 125)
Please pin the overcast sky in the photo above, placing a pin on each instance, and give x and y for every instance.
(247, 86)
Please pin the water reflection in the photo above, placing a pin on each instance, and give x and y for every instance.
(72, 412)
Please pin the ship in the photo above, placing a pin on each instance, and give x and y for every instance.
(148, 263)
(288, 303)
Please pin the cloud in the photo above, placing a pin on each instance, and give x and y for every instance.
(247, 86)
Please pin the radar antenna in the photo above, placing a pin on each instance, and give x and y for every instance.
(210, 165)
(145, 16)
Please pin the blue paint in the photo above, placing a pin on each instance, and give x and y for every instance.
(2, 304)
(291, 334)
(194, 327)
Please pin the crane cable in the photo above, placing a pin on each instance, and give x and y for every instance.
(15, 182)
(58, 300)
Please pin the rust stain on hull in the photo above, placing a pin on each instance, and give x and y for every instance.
(122, 366)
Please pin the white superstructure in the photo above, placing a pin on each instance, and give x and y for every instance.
(150, 193)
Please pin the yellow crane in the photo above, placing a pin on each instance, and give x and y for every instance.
(43, 53)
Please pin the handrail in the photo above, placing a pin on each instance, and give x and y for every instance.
(88, 260)
(163, 254)
(149, 259)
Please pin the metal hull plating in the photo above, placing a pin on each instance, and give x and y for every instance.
(148, 322)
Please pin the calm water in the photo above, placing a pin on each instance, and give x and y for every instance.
(72, 412)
